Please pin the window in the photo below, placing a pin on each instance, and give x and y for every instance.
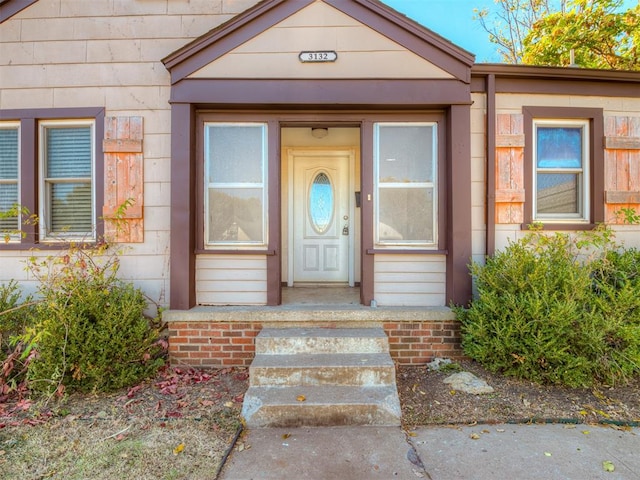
(9, 147)
(51, 165)
(564, 167)
(66, 166)
(235, 184)
(561, 177)
(405, 180)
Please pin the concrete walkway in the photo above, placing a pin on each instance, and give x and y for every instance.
(437, 453)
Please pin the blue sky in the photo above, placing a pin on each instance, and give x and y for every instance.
(453, 20)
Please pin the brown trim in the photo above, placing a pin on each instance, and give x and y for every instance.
(552, 73)
(230, 35)
(28, 119)
(29, 179)
(411, 35)
(405, 251)
(490, 164)
(183, 209)
(526, 79)
(367, 264)
(274, 262)
(479, 84)
(264, 15)
(567, 86)
(459, 204)
(326, 93)
(596, 158)
(454, 180)
(218, 251)
(10, 7)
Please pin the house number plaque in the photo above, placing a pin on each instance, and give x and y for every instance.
(318, 57)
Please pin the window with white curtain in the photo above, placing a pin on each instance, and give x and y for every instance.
(9, 172)
(405, 179)
(66, 180)
(235, 184)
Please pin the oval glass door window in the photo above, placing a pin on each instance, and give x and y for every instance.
(321, 203)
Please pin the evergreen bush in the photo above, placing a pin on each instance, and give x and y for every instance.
(557, 309)
(90, 331)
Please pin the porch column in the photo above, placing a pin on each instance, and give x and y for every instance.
(459, 204)
(182, 238)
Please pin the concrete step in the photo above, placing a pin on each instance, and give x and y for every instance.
(321, 340)
(321, 406)
(364, 369)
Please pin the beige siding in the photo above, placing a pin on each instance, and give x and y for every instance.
(231, 280)
(363, 53)
(107, 53)
(410, 280)
(478, 182)
(629, 235)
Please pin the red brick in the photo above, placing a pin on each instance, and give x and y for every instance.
(241, 326)
(243, 355)
(199, 355)
(189, 348)
(198, 325)
(212, 348)
(199, 340)
(190, 332)
(233, 348)
(232, 334)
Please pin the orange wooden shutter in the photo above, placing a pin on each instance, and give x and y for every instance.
(509, 168)
(622, 165)
(123, 168)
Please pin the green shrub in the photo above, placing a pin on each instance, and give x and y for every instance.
(90, 330)
(15, 311)
(15, 315)
(557, 309)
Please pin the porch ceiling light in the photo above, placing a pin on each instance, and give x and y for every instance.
(319, 132)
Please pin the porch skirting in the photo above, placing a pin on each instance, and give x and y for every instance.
(225, 336)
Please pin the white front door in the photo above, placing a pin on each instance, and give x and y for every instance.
(320, 217)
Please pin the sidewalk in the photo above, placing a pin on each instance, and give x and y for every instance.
(437, 453)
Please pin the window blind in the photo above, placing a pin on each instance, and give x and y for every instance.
(8, 176)
(68, 167)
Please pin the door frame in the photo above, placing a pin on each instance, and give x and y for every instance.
(317, 152)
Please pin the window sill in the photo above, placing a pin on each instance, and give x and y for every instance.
(230, 251)
(405, 251)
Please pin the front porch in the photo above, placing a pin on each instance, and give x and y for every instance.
(225, 335)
